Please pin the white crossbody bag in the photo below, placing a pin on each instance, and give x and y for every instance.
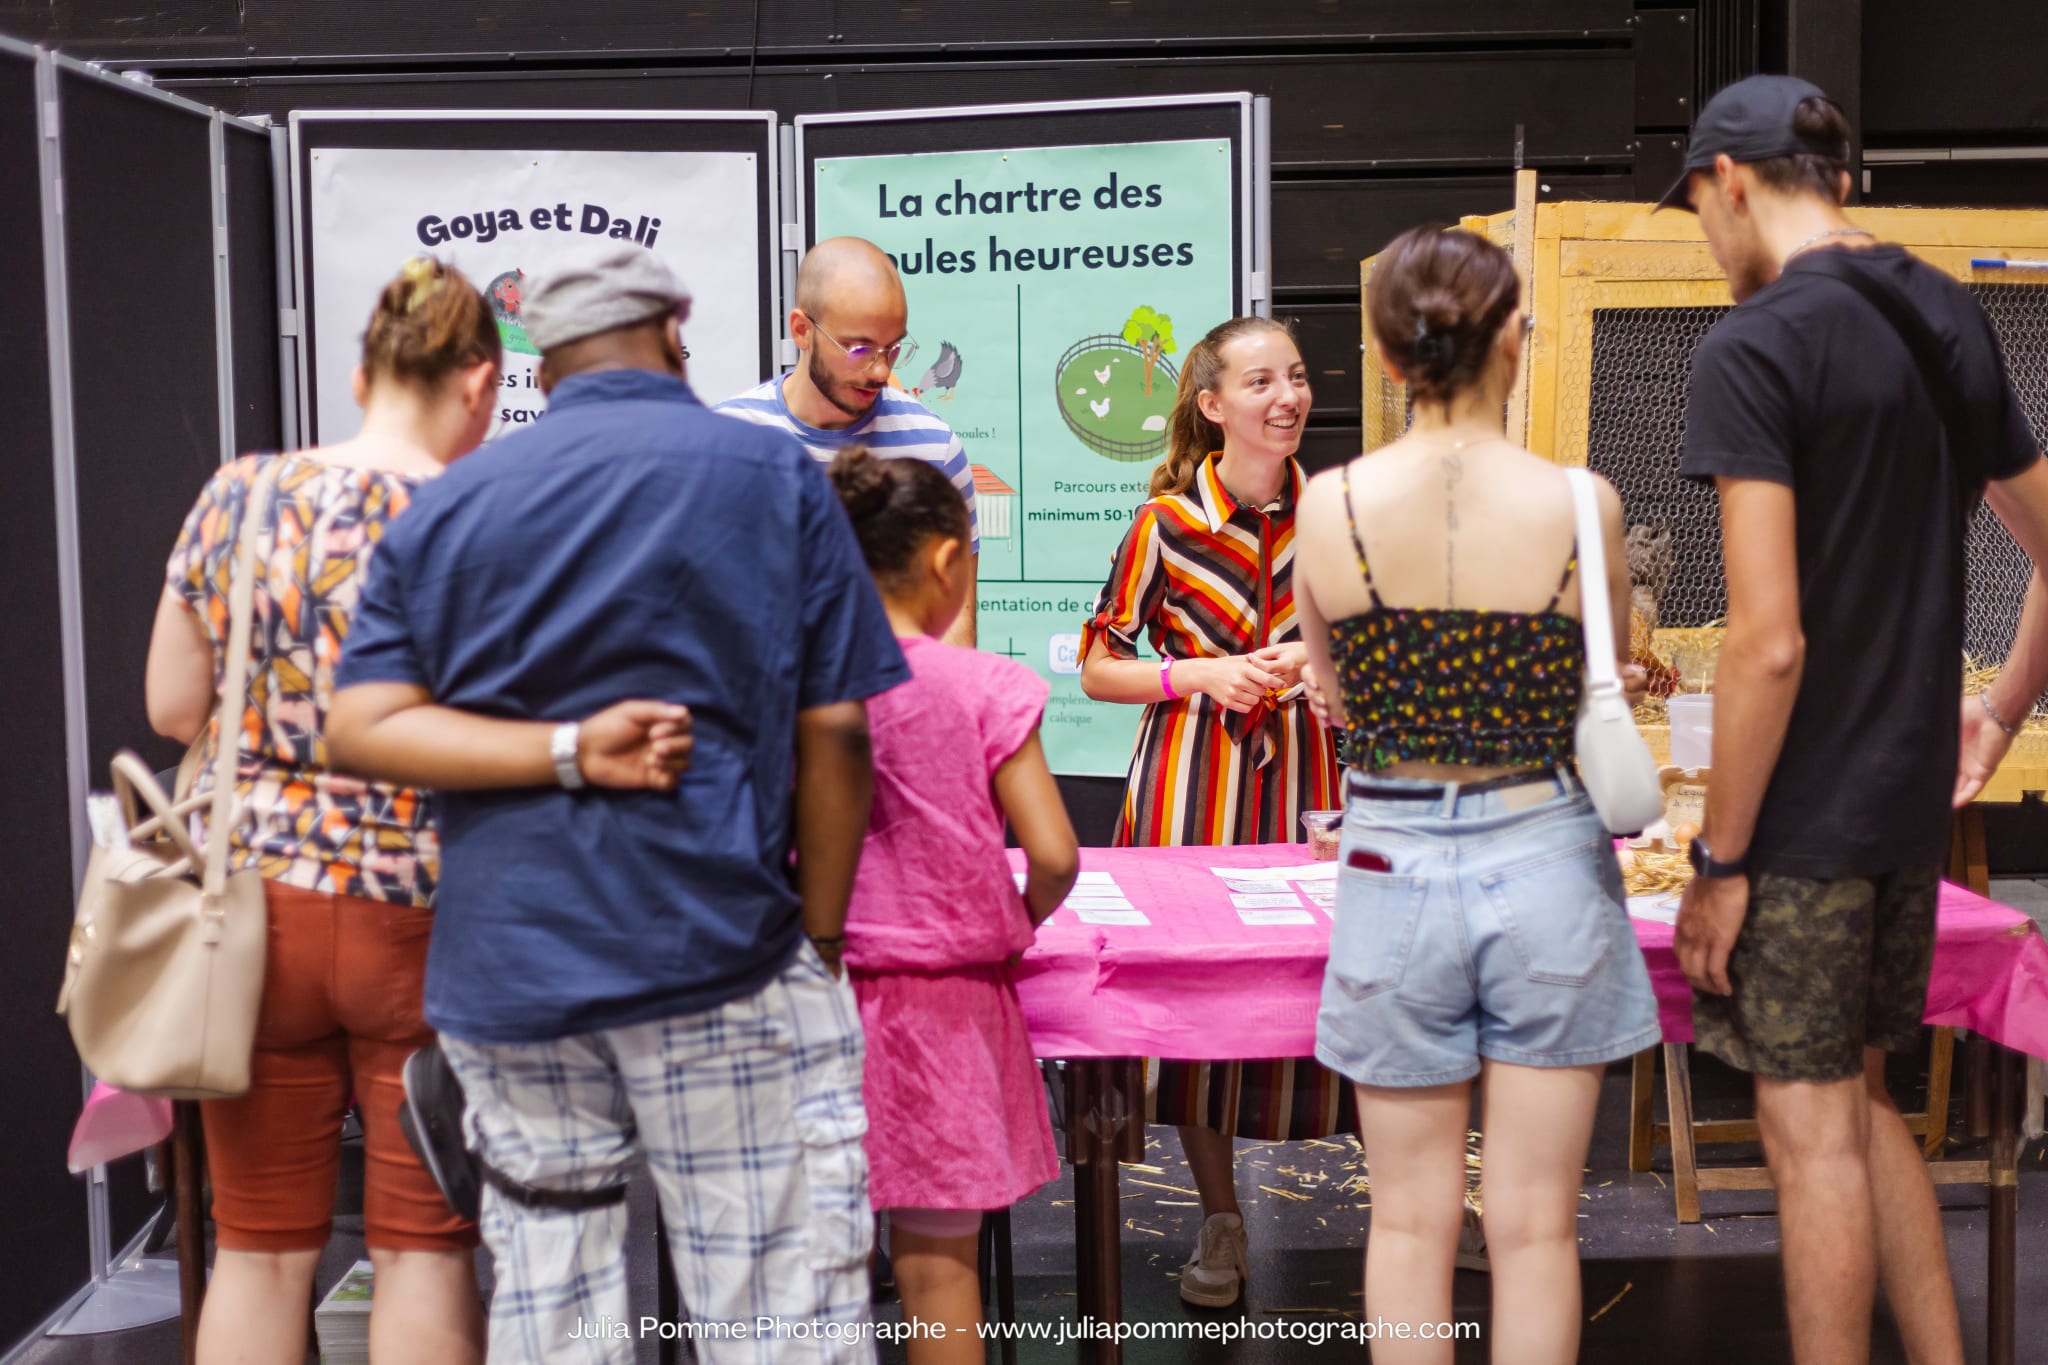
(1615, 765)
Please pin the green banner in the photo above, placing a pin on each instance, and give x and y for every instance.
(1052, 292)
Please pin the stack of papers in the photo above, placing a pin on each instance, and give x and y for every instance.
(342, 1321)
(1097, 899)
(1274, 895)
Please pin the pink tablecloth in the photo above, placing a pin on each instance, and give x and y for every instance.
(1198, 982)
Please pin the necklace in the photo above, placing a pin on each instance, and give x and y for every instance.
(1823, 236)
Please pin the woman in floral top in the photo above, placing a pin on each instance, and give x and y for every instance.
(348, 865)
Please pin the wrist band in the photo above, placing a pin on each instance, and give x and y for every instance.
(2011, 731)
(828, 941)
(1166, 680)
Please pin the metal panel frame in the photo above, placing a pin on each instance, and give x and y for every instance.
(223, 311)
(291, 421)
(70, 584)
(146, 88)
(1255, 190)
(301, 287)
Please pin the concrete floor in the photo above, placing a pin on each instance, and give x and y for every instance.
(1671, 1294)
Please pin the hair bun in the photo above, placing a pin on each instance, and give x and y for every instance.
(862, 483)
(1436, 301)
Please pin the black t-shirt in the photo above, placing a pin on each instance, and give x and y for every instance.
(1806, 384)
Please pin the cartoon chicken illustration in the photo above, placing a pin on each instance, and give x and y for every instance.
(943, 374)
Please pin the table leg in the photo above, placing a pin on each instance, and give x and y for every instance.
(188, 1175)
(1080, 1077)
(1982, 1064)
(2005, 1208)
(1685, 1180)
(1006, 1282)
(1940, 1065)
(1104, 1123)
(1642, 1084)
(1108, 1234)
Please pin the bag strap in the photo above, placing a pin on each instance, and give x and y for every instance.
(133, 782)
(1596, 614)
(234, 691)
(1929, 357)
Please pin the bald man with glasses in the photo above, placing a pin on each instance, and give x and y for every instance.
(851, 329)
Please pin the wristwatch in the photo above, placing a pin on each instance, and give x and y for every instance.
(562, 749)
(1706, 865)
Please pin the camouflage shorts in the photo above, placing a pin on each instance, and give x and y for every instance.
(1821, 970)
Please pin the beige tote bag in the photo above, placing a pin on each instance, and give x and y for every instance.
(165, 972)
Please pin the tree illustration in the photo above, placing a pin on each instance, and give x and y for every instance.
(1151, 333)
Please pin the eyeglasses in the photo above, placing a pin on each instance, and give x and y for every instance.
(864, 356)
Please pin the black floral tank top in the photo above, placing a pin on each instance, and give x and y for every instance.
(1456, 685)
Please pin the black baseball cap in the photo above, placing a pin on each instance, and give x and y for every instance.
(1751, 120)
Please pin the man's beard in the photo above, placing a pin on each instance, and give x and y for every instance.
(835, 389)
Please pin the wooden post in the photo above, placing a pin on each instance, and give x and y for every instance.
(1525, 263)
(1685, 1180)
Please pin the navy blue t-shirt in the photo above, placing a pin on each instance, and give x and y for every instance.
(632, 544)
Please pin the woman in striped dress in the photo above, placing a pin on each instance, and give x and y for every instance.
(1229, 751)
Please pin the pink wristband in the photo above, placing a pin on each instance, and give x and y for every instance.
(1166, 680)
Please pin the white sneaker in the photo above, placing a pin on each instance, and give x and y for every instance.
(1213, 1275)
(1472, 1244)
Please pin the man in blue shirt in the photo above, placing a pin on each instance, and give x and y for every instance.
(629, 975)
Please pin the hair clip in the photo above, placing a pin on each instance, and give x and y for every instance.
(424, 274)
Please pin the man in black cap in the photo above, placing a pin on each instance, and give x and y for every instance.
(1851, 411)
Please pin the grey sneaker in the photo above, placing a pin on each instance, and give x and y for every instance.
(1214, 1275)
(1472, 1244)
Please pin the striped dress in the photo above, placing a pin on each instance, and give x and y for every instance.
(1201, 576)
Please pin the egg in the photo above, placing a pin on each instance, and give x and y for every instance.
(1684, 834)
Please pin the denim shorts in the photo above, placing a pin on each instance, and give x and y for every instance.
(1478, 924)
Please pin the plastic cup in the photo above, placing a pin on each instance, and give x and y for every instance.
(1692, 729)
(1324, 828)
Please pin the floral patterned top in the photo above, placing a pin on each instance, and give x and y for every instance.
(1457, 685)
(301, 824)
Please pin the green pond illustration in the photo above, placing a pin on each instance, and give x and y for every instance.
(1101, 387)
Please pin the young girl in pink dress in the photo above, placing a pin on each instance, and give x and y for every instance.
(957, 1119)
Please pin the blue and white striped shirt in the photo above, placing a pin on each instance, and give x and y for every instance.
(897, 426)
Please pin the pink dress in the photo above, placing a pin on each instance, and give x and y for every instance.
(956, 1108)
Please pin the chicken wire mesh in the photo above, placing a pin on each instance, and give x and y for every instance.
(1642, 369)
(1642, 366)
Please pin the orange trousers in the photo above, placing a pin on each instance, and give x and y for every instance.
(341, 1013)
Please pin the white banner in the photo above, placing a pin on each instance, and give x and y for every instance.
(502, 218)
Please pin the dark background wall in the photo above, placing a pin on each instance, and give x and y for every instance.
(1385, 112)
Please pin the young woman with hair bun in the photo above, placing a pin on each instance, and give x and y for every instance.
(1480, 928)
(348, 866)
(1228, 752)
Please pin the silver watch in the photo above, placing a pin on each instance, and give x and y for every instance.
(562, 749)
